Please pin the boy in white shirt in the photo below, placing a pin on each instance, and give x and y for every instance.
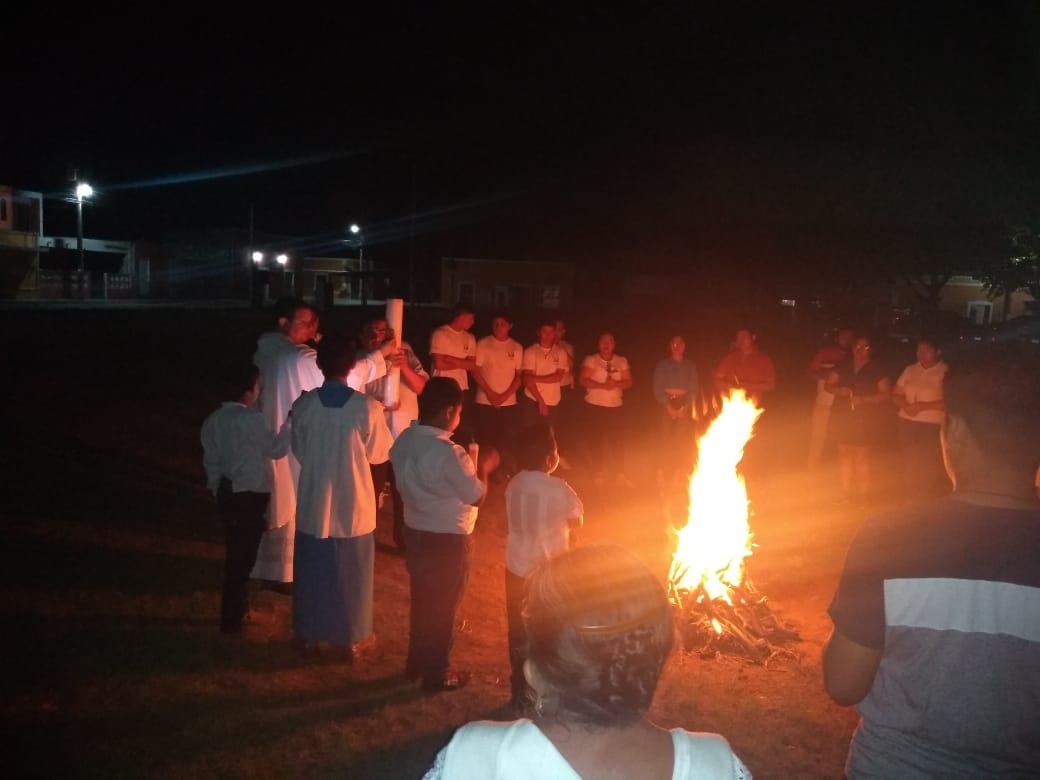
(239, 450)
(542, 512)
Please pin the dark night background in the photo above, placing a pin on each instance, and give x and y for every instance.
(788, 138)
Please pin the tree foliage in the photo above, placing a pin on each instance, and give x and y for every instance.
(1016, 263)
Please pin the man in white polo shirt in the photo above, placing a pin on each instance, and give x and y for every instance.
(499, 359)
(545, 365)
(441, 488)
(453, 351)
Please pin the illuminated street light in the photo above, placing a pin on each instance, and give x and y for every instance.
(83, 190)
(258, 257)
(355, 229)
(282, 259)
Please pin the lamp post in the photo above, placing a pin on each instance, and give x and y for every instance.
(83, 190)
(355, 230)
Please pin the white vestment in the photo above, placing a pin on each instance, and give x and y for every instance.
(286, 371)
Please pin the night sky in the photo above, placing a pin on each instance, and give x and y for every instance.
(674, 135)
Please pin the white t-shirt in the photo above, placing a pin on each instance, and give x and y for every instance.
(538, 506)
(539, 361)
(599, 369)
(518, 750)
(454, 343)
(920, 384)
(500, 362)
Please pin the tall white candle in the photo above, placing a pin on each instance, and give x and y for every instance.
(395, 321)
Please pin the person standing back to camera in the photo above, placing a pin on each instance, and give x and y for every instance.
(600, 629)
(542, 512)
(239, 451)
(441, 487)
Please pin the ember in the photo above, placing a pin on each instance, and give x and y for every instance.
(720, 610)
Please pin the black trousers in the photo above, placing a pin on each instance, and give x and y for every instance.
(516, 591)
(605, 437)
(497, 427)
(438, 570)
(243, 517)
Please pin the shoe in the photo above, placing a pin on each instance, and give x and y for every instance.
(451, 680)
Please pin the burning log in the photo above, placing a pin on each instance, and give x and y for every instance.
(741, 625)
(720, 611)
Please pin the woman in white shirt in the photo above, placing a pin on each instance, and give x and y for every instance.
(600, 629)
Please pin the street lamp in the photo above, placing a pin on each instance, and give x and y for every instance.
(83, 190)
(258, 257)
(355, 229)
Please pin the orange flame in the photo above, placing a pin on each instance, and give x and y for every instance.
(716, 539)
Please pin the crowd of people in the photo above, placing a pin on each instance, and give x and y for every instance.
(301, 453)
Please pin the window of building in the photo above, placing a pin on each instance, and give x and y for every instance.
(466, 292)
(3, 209)
(551, 296)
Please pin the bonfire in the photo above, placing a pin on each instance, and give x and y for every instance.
(720, 610)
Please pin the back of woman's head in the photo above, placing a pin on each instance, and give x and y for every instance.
(599, 629)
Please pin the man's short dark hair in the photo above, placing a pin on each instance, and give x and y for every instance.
(995, 390)
(337, 354)
(287, 306)
(238, 379)
(462, 307)
(534, 447)
(546, 320)
(502, 314)
(439, 393)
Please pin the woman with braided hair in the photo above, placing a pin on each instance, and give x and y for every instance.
(600, 629)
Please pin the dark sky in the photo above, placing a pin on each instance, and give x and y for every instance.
(677, 135)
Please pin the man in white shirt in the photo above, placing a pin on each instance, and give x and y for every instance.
(545, 364)
(453, 354)
(288, 367)
(499, 359)
(918, 394)
(441, 488)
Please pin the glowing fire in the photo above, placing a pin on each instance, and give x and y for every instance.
(716, 539)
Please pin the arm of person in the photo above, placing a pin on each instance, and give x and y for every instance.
(767, 383)
(883, 393)
(626, 379)
(848, 669)
(412, 378)
(210, 459)
(832, 385)
(659, 384)
(450, 362)
(481, 380)
(899, 392)
(272, 445)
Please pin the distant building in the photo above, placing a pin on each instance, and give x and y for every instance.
(507, 283)
(968, 297)
(21, 225)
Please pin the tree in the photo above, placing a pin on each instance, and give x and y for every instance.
(1015, 264)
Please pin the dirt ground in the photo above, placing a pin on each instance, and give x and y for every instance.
(113, 666)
